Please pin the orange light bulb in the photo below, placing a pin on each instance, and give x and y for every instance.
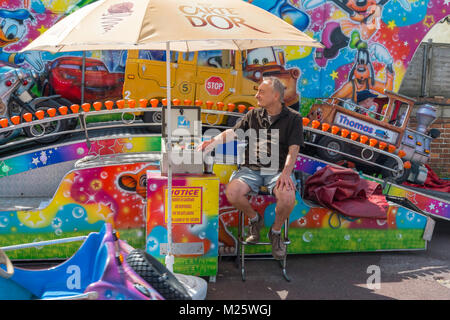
(154, 103)
(131, 103)
(86, 107)
(51, 112)
(15, 120)
(120, 104)
(109, 104)
(97, 106)
(382, 145)
(28, 116)
(63, 110)
(344, 133)
(143, 103)
(325, 126)
(334, 129)
(40, 114)
(363, 139)
(209, 105)
(354, 136)
(241, 108)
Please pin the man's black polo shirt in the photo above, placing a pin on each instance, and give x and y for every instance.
(290, 132)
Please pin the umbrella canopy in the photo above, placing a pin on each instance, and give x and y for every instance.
(189, 25)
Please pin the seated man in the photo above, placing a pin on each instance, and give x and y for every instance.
(274, 134)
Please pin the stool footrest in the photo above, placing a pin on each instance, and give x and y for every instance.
(242, 243)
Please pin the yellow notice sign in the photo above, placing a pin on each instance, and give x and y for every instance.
(186, 205)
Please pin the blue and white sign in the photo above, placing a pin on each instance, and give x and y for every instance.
(365, 128)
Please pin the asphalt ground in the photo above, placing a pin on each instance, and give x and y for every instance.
(405, 275)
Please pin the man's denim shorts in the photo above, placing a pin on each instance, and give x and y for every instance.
(255, 179)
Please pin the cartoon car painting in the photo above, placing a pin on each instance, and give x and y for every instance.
(65, 79)
(263, 62)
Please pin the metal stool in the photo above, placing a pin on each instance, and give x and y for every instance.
(242, 243)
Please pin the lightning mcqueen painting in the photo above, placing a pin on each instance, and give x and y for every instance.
(65, 78)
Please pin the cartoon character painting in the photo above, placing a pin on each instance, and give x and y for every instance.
(262, 62)
(365, 17)
(362, 75)
(12, 29)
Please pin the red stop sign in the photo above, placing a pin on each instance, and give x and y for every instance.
(214, 85)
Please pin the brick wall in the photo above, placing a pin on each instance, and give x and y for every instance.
(440, 148)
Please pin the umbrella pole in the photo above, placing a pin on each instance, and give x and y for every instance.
(169, 261)
(83, 76)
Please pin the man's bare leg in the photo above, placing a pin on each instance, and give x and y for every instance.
(236, 192)
(285, 205)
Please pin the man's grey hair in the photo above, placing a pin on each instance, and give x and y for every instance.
(277, 85)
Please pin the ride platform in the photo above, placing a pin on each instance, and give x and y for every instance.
(105, 183)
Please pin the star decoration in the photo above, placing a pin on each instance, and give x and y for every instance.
(412, 197)
(428, 21)
(42, 29)
(105, 211)
(391, 24)
(96, 184)
(152, 243)
(35, 161)
(334, 74)
(34, 218)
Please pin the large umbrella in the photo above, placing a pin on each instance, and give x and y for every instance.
(180, 25)
(189, 25)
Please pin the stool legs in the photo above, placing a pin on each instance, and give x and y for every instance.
(287, 242)
(241, 247)
(240, 257)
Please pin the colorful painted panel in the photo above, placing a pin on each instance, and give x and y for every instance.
(85, 199)
(73, 151)
(88, 197)
(436, 207)
(321, 230)
(197, 242)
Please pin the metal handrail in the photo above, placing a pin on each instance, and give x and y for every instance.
(84, 127)
(363, 146)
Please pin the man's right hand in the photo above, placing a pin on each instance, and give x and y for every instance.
(223, 137)
(206, 146)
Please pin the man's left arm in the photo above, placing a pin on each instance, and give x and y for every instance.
(285, 178)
